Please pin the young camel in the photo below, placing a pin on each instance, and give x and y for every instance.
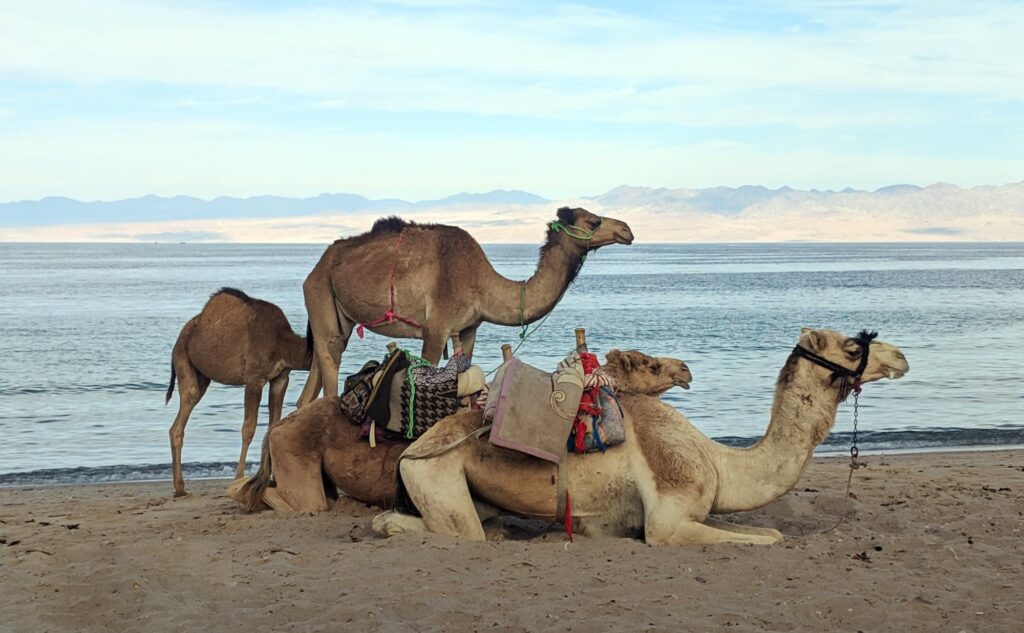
(235, 340)
(667, 478)
(431, 281)
(317, 449)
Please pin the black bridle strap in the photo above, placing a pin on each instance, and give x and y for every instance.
(838, 371)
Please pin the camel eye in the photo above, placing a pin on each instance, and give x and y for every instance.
(594, 224)
(854, 352)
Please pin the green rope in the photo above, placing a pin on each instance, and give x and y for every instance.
(572, 230)
(414, 362)
(526, 332)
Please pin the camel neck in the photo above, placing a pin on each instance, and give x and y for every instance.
(803, 412)
(506, 302)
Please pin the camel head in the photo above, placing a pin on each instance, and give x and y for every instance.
(846, 353)
(637, 372)
(593, 230)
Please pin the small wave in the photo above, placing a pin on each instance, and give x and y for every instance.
(120, 473)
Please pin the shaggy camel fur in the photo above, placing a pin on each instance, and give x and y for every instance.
(235, 340)
(316, 449)
(438, 277)
(662, 483)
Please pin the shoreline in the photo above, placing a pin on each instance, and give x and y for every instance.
(932, 543)
(252, 466)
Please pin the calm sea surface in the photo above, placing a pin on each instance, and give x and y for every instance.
(86, 333)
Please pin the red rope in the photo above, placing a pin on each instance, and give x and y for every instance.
(590, 404)
(389, 315)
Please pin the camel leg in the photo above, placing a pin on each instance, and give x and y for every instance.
(253, 395)
(438, 488)
(191, 387)
(744, 529)
(394, 522)
(468, 339)
(311, 389)
(278, 387)
(331, 331)
(297, 470)
(433, 345)
(669, 522)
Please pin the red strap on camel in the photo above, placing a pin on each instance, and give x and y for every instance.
(590, 403)
(390, 316)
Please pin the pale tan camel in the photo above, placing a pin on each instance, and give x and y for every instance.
(317, 449)
(438, 278)
(235, 340)
(663, 483)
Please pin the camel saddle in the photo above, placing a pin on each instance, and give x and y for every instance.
(380, 398)
(532, 411)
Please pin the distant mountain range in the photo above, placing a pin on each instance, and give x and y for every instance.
(58, 210)
(717, 214)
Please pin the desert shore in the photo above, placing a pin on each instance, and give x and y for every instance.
(932, 543)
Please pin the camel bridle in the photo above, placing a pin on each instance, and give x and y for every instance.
(849, 379)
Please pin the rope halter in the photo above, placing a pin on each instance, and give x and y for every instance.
(849, 379)
(572, 230)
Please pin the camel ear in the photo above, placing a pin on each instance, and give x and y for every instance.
(621, 359)
(566, 216)
(812, 339)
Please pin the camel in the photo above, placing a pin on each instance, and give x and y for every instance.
(664, 481)
(235, 340)
(430, 281)
(317, 449)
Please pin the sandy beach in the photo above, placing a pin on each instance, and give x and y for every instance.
(933, 543)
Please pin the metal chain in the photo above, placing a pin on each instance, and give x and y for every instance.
(854, 464)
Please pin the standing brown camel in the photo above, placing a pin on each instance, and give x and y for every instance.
(235, 340)
(430, 281)
(317, 450)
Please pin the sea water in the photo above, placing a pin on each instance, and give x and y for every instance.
(86, 332)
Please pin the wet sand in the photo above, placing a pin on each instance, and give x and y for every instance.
(933, 543)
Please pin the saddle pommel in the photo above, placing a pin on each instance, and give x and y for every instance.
(581, 339)
(506, 352)
(392, 346)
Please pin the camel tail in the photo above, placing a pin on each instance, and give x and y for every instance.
(170, 387)
(248, 491)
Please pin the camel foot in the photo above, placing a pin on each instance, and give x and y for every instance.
(179, 493)
(391, 522)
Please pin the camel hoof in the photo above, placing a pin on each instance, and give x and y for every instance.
(179, 493)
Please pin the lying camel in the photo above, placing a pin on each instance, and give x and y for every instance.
(667, 478)
(317, 449)
(235, 340)
(431, 281)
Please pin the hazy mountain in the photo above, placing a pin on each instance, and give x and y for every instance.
(658, 214)
(59, 210)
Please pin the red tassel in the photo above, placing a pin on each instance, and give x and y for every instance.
(568, 516)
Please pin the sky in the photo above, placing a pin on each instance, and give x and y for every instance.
(420, 99)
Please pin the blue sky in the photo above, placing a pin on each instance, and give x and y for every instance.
(420, 99)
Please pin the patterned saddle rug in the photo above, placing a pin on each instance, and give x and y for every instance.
(381, 398)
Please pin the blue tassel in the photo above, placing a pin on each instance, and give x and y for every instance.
(597, 436)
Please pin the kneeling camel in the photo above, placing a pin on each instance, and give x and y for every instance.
(317, 449)
(668, 477)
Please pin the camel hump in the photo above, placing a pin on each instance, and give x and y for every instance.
(234, 292)
(390, 224)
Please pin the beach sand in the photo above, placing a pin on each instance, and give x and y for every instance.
(933, 544)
